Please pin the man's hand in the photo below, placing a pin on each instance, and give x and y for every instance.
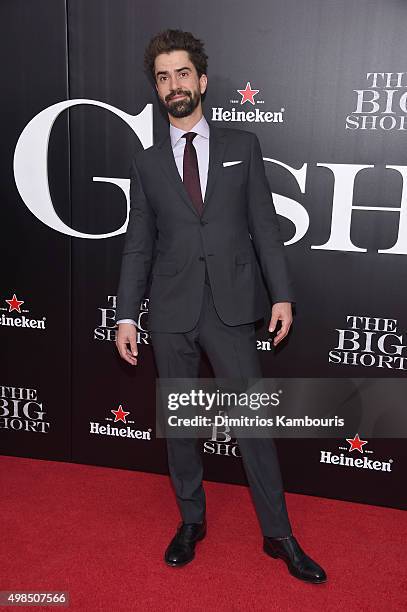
(281, 311)
(127, 334)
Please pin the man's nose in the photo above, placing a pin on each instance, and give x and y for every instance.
(172, 83)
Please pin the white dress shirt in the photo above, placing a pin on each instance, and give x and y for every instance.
(201, 144)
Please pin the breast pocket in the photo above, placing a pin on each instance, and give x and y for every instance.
(234, 172)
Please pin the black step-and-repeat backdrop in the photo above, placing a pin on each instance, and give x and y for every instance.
(324, 86)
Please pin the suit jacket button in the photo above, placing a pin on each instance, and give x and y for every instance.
(201, 258)
(203, 222)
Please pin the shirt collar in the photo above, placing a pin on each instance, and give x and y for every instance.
(201, 128)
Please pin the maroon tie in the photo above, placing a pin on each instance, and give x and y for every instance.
(191, 172)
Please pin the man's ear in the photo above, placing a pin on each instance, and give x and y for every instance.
(203, 83)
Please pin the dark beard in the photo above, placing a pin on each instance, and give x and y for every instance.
(182, 108)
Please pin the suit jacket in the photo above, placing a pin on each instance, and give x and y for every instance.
(237, 237)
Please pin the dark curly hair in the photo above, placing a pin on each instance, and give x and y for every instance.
(171, 40)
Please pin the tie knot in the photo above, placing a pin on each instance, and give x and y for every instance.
(189, 136)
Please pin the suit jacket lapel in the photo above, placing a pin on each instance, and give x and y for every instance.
(217, 144)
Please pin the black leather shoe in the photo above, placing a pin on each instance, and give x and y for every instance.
(181, 549)
(299, 564)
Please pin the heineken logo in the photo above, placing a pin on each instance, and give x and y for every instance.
(251, 113)
(108, 429)
(355, 461)
(9, 317)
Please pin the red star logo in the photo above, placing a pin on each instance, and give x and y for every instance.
(120, 414)
(248, 94)
(356, 443)
(14, 303)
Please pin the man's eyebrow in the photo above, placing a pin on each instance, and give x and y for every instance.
(176, 70)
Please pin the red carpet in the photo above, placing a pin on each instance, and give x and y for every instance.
(100, 533)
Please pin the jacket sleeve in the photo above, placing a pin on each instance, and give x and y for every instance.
(137, 255)
(264, 228)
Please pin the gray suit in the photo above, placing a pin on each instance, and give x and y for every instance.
(166, 235)
(207, 290)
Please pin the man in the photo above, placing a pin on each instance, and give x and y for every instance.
(201, 219)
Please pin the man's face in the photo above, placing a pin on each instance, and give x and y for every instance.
(178, 86)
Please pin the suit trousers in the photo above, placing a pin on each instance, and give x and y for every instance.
(231, 351)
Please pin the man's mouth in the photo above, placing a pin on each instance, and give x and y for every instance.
(177, 97)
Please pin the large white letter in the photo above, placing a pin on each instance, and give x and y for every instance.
(400, 248)
(344, 175)
(30, 162)
(342, 208)
(291, 209)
